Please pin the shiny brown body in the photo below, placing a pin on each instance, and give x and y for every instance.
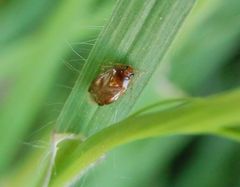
(109, 85)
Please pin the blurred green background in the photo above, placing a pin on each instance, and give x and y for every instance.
(43, 45)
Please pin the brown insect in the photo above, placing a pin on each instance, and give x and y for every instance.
(109, 85)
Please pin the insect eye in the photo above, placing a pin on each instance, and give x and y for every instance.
(131, 75)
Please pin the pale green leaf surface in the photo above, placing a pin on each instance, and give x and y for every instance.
(139, 33)
(200, 116)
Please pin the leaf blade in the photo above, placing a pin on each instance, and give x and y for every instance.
(129, 40)
(201, 116)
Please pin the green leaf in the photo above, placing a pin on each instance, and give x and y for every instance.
(200, 116)
(139, 33)
(230, 132)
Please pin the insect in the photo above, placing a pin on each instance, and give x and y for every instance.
(109, 85)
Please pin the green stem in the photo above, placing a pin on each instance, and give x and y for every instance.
(200, 116)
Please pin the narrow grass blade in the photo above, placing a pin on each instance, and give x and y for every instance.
(200, 116)
(139, 33)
